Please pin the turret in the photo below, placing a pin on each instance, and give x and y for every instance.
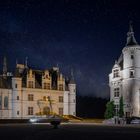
(4, 67)
(131, 74)
(16, 97)
(72, 95)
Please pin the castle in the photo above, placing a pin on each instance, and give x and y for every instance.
(124, 80)
(28, 92)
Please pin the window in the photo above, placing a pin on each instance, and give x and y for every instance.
(17, 97)
(132, 56)
(30, 84)
(48, 98)
(61, 87)
(17, 112)
(0, 102)
(116, 109)
(60, 111)
(116, 73)
(127, 114)
(60, 99)
(44, 98)
(131, 74)
(116, 92)
(15, 85)
(30, 110)
(30, 97)
(46, 85)
(6, 102)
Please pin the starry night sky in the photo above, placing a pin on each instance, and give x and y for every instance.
(84, 35)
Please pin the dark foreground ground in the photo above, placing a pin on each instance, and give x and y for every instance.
(67, 132)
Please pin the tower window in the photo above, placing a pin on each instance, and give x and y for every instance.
(116, 73)
(131, 74)
(132, 56)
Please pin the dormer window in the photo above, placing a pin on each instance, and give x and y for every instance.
(61, 87)
(116, 73)
(46, 85)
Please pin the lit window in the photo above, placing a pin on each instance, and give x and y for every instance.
(61, 87)
(30, 97)
(30, 84)
(60, 111)
(6, 102)
(30, 110)
(116, 73)
(116, 92)
(60, 99)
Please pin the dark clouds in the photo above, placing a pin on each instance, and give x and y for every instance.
(85, 35)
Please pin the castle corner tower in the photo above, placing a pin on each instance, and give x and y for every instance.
(124, 81)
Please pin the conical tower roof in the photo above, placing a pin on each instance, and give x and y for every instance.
(131, 41)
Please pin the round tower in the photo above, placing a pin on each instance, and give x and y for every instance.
(16, 97)
(131, 75)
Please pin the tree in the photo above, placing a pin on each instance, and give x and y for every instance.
(110, 110)
(121, 111)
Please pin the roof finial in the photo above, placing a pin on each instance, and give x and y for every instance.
(72, 81)
(26, 62)
(4, 66)
(131, 26)
(116, 62)
(16, 61)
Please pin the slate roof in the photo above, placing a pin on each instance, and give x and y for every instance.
(6, 82)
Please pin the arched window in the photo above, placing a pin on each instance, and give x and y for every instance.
(6, 102)
(0, 102)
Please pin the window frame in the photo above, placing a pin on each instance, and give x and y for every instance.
(30, 110)
(30, 97)
(61, 99)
